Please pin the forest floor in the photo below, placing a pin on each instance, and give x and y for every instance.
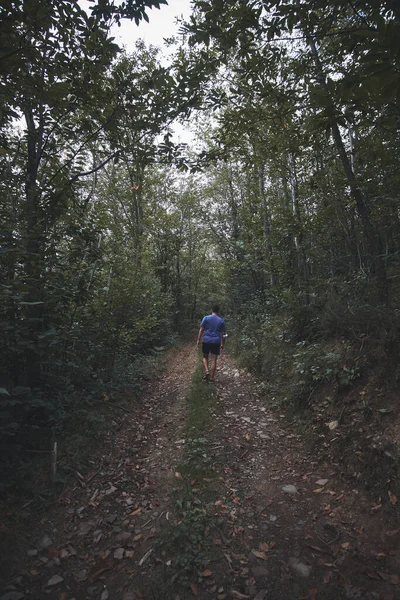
(206, 492)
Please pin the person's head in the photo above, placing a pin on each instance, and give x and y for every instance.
(215, 309)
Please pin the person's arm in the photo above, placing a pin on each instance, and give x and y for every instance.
(200, 335)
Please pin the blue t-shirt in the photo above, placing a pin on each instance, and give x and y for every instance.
(213, 327)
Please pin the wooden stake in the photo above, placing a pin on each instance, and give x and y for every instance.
(54, 463)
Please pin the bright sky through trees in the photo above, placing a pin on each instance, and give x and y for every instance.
(162, 24)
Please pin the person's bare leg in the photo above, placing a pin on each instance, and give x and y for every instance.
(205, 362)
(213, 366)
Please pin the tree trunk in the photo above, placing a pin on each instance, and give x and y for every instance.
(33, 255)
(267, 225)
(372, 238)
(301, 257)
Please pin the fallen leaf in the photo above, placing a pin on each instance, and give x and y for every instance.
(259, 554)
(140, 593)
(321, 482)
(98, 534)
(392, 498)
(332, 425)
(345, 545)
(318, 490)
(55, 580)
(136, 512)
(207, 573)
(376, 507)
(193, 587)
(327, 576)
(228, 558)
(264, 546)
(178, 475)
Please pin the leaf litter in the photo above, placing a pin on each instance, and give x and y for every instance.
(275, 528)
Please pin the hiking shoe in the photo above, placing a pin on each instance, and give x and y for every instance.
(206, 375)
(211, 381)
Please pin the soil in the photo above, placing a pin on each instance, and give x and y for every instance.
(246, 510)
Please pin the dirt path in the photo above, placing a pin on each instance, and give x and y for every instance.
(206, 492)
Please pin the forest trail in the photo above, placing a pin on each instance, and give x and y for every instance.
(205, 492)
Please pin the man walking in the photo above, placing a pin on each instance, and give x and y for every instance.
(213, 329)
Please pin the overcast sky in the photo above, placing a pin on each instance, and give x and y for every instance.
(162, 25)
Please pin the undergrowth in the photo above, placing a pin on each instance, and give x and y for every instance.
(78, 423)
(335, 358)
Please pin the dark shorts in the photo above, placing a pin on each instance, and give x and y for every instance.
(213, 348)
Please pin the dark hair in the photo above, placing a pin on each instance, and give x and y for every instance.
(215, 308)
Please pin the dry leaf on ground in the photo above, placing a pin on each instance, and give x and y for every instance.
(259, 554)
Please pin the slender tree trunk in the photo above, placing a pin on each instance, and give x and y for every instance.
(33, 254)
(372, 238)
(233, 207)
(136, 180)
(267, 225)
(301, 257)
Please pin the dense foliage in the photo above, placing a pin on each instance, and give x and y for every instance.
(100, 250)
(307, 112)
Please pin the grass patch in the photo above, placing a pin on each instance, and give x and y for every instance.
(189, 538)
